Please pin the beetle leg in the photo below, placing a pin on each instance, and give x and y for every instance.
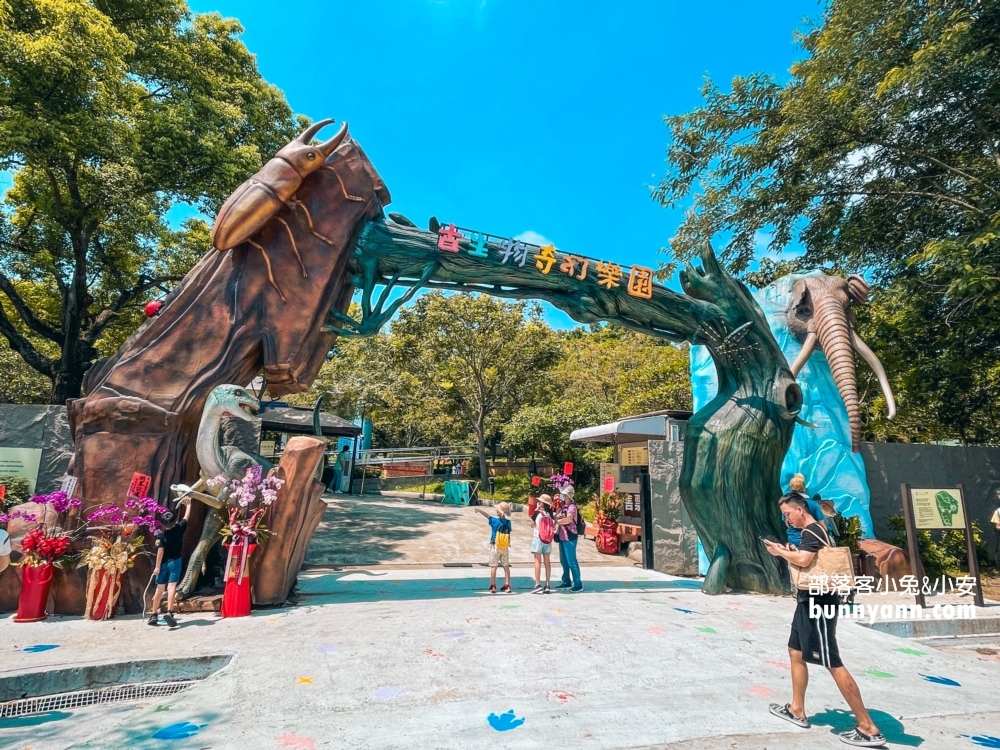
(270, 275)
(342, 187)
(295, 248)
(294, 202)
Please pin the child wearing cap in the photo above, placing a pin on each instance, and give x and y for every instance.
(500, 528)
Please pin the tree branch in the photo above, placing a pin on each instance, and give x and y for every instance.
(22, 346)
(26, 313)
(106, 316)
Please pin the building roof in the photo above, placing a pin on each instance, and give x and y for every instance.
(637, 428)
(299, 421)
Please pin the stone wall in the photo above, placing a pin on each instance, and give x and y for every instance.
(45, 427)
(675, 542)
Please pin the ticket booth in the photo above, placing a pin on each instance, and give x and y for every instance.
(629, 471)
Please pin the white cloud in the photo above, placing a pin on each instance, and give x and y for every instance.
(533, 238)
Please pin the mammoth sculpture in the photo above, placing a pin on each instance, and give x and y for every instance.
(819, 312)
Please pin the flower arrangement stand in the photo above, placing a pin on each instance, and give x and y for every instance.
(236, 599)
(35, 583)
(607, 536)
(103, 589)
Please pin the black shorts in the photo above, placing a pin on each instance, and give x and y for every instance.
(816, 637)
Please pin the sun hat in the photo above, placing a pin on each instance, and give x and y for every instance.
(568, 491)
(545, 499)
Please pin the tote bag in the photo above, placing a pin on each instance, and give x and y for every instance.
(830, 561)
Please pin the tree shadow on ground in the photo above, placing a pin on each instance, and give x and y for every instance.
(334, 588)
(367, 533)
(842, 721)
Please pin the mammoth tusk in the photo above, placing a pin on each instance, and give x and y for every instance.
(808, 347)
(313, 130)
(883, 380)
(328, 147)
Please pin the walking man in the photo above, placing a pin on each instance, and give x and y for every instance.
(814, 633)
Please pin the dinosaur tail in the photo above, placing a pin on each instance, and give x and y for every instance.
(715, 579)
(209, 536)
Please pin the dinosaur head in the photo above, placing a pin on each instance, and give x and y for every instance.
(232, 401)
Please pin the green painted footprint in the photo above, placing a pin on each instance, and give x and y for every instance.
(880, 674)
(911, 651)
(510, 606)
(707, 630)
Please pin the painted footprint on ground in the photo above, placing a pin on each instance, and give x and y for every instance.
(910, 651)
(38, 648)
(388, 693)
(941, 680)
(505, 721)
(707, 630)
(179, 731)
(982, 740)
(880, 674)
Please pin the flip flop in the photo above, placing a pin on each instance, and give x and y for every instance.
(783, 712)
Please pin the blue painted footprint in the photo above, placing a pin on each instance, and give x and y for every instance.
(504, 722)
(40, 647)
(178, 731)
(941, 680)
(983, 740)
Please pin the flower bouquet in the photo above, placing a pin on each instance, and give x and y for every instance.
(556, 483)
(46, 546)
(115, 547)
(248, 499)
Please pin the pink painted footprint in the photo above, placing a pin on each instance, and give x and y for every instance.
(778, 664)
(657, 630)
(762, 690)
(435, 654)
(560, 696)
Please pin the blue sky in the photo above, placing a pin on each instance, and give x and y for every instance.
(515, 116)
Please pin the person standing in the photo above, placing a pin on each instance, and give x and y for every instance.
(541, 543)
(813, 639)
(500, 528)
(169, 567)
(569, 524)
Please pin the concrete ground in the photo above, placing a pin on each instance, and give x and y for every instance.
(375, 530)
(406, 653)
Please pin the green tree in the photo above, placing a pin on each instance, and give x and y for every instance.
(880, 155)
(111, 113)
(480, 357)
(604, 373)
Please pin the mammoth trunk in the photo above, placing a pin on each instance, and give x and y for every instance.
(833, 330)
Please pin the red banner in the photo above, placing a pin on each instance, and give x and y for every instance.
(609, 484)
(568, 467)
(139, 486)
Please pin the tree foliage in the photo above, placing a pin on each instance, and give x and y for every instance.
(880, 155)
(111, 113)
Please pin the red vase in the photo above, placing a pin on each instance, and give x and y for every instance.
(35, 583)
(236, 598)
(102, 601)
(607, 536)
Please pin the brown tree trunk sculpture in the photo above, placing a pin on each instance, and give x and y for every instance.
(258, 306)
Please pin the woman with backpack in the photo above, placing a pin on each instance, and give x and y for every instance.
(569, 527)
(541, 542)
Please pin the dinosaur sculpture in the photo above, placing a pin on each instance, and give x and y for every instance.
(216, 460)
(306, 231)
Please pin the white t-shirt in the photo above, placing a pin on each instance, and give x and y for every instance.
(4, 543)
(996, 517)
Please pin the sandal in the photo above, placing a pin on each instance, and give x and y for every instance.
(859, 739)
(784, 712)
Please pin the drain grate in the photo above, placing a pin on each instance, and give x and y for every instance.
(80, 698)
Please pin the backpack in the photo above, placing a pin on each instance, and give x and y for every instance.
(581, 524)
(546, 528)
(502, 539)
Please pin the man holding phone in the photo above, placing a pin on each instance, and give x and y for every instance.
(814, 635)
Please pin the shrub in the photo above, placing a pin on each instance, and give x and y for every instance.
(945, 555)
(17, 490)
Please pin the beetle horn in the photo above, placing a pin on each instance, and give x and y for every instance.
(313, 130)
(328, 147)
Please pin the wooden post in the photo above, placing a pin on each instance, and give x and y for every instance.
(916, 564)
(970, 543)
